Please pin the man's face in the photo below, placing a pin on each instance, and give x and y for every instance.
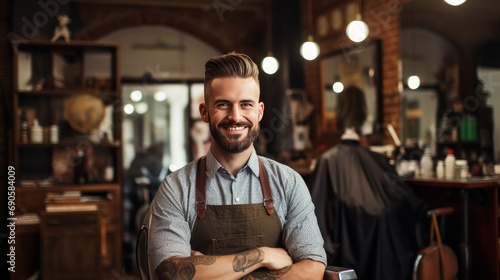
(233, 112)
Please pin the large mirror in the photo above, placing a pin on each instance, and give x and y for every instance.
(488, 90)
(358, 66)
(435, 61)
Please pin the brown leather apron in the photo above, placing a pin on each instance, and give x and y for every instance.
(228, 229)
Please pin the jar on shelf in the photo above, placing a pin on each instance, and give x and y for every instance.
(54, 134)
(36, 132)
(440, 169)
(462, 168)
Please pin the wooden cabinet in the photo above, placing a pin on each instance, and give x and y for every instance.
(27, 241)
(70, 245)
(66, 148)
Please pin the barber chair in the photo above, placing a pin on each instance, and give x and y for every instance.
(146, 272)
(339, 273)
(141, 250)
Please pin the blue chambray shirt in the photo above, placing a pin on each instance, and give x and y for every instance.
(174, 213)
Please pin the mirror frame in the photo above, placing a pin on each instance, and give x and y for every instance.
(377, 79)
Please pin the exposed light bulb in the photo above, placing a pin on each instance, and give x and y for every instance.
(270, 64)
(413, 82)
(357, 30)
(455, 2)
(136, 95)
(309, 49)
(128, 109)
(338, 87)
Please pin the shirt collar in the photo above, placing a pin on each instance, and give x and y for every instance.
(213, 165)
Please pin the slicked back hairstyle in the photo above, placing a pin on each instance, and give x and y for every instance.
(230, 65)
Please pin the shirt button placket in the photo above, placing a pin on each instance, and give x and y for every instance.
(235, 195)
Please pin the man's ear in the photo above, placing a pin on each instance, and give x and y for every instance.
(261, 110)
(203, 112)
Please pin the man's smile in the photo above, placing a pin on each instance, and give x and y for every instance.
(235, 128)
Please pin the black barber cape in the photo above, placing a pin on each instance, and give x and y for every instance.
(370, 220)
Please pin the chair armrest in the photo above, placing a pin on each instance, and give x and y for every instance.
(339, 273)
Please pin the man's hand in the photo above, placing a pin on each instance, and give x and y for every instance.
(276, 258)
(196, 253)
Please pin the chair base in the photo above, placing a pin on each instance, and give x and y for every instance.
(339, 273)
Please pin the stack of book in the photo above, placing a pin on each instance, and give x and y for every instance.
(68, 201)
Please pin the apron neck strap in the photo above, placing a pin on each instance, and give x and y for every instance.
(201, 188)
(266, 188)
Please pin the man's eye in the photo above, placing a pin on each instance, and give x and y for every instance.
(246, 105)
(223, 105)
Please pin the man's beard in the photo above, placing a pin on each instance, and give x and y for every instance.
(232, 144)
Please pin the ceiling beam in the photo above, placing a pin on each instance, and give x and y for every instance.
(241, 5)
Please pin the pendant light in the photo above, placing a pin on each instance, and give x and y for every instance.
(455, 2)
(269, 64)
(309, 49)
(338, 87)
(413, 81)
(357, 30)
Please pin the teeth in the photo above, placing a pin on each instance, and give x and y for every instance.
(236, 128)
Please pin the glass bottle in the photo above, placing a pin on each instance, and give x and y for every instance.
(426, 164)
(440, 169)
(25, 138)
(54, 134)
(36, 132)
(449, 165)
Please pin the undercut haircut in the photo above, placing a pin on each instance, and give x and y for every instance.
(232, 64)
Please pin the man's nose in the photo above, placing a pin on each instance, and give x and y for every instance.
(235, 113)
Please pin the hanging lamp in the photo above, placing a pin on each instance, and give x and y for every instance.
(269, 64)
(455, 2)
(357, 30)
(309, 49)
(413, 81)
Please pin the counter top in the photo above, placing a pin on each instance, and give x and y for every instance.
(469, 183)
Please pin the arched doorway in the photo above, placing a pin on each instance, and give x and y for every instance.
(162, 72)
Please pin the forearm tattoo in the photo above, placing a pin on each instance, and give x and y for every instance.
(246, 259)
(265, 274)
(183, 269)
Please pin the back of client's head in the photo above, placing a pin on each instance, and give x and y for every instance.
(351, 107)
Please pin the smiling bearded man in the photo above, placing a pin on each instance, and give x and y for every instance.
(233, 214)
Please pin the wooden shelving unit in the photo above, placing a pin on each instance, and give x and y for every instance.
(84, 160)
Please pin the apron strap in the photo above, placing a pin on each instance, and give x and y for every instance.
(266, 189)
(201, 188)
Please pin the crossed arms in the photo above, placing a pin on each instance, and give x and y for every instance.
(260, 263)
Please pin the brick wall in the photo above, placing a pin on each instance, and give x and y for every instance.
(382, 18)
(237, 30)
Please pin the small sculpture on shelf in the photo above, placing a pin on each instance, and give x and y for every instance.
(80, 170)
(62, 29)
